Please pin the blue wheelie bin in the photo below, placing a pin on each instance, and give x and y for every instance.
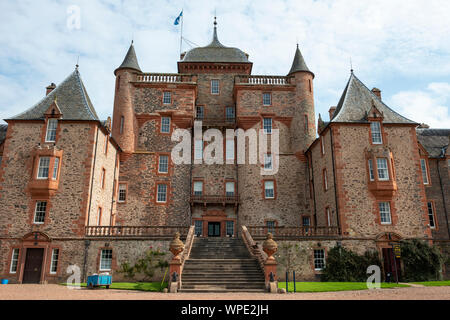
(97, 280)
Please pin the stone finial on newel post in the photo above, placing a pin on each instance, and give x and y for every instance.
(270, 265)
(176, 247)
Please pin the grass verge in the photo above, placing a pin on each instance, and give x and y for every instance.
(333, 286)
(140, 286)
(433, 283)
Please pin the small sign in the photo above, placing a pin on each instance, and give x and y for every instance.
(397, 250)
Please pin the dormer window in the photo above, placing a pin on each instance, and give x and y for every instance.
(50, 136)
(375, 129)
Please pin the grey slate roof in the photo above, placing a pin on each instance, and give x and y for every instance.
(215, 52)
(3, 128)
(356, 102)
(130, 60)
(435, 141)
(72, 100)
(299, 63)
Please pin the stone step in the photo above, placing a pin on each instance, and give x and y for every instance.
(219, 290)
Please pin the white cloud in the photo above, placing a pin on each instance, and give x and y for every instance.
(430, 106)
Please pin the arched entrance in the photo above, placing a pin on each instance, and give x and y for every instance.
(392, 265)
(34, 246)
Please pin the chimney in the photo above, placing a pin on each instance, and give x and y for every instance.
(182, 55)
(50, 88)
(377, 92)
(331, 112)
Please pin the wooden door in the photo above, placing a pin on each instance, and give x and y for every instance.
(214, 229)
(391, 264)
(33, 265)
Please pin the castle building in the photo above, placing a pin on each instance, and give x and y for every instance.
(75, 190)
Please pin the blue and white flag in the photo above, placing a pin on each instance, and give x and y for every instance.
(177, 20)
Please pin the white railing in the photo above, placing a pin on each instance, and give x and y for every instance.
(268, 80)
(164, 77)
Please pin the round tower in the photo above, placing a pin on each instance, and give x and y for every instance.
(305, 132)
(124, 128)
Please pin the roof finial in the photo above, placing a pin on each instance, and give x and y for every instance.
(351, 66)
(78, 60)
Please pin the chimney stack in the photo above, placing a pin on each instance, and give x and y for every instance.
(377, 92)
(331, 112)
(50, 88)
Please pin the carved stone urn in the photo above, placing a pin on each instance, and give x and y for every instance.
(176, 246)
(270, 246)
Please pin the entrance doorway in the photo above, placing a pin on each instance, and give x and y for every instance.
(391, 265)
(213, 229)
(33, 265)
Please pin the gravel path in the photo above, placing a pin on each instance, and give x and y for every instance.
(58, 292)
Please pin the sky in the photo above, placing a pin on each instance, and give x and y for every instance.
(401, 47)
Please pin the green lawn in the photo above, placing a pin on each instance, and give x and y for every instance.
(332, 286)
(433, 283)
(142, 286)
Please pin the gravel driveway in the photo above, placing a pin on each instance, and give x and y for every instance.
(58, 292)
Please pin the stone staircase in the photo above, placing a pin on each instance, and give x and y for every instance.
(221, 265)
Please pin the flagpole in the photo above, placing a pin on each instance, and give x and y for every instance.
(181, 34)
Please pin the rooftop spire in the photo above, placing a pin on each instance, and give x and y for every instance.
(299, 63)
(130, 60)
(215, 41)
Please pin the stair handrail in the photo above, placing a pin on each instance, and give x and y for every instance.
(254, 248)
(187, 251)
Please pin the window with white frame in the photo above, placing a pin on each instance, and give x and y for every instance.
(215, 86)
(122, 192)
(423, 167)
(371, 173)
(375, 129)
(267, 125)
(54, 261)
(165, 124)
(14, 261)
(50, 136)
(229, 189)
(270, 226)
(269, 189)
(431, 215)
(198, 188)
(230, 228)
(161, 193)
(385, 212)
(44, 164)
(319, 259)
(55, 169)
(167, 97)
(39, 212)
(105, 260)
(198, 149)
(230, 149)
(382, 169)
(163, 164)
(268, 161)
(267, 99)
(198, 227)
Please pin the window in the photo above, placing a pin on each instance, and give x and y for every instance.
(230, 228)
(167, 97)
(44, 164)
(269, 191)
(122, 121)
(322, 145)
(306, 221)
(102, 181)
(215, 86)
(54, 262)
(229, 189)
(39, 212)
(198, 227)
(371, 175)
(423, 166)
(122, 192)
(319, 259)
(268, 161)
(105, 150)
(267, 125)
(328, 217)
(163, 164)
(198, 188)
(99, 216)
(14, 261)
(267, 99)
(198, 146)
(105, 260)
(230, 149)
(306, 123)
(200, 112)
(385, 212)
(165, 125)
(431, 215)
(375, 129)
(229, 113)
(270, 226)
(325, 180)
(382, 168)
(52, 124)
(162, 193)
(55, 169)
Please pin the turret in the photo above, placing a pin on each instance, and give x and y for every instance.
(124, 129)
(303, 78)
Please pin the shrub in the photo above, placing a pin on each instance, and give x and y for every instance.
(145, 266)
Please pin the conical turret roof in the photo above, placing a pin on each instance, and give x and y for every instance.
(130, 61)
(299, 63)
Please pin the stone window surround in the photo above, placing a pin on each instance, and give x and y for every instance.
(168, 192)
(264, 188)
(39, 187)
(99, 259)
(383, 133)
(433, 208)
(202, 180)
(218, 86)
(225, 186)
(47, 127)
(45, 212)
(164, 94)
(382, 189)
(169, 164)
(118, 192)
(390, 212)
(52, 260)
(19, 253)
(325, 179)
(314, 248)
(270, 99)
(427, 168)
(161, 125)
